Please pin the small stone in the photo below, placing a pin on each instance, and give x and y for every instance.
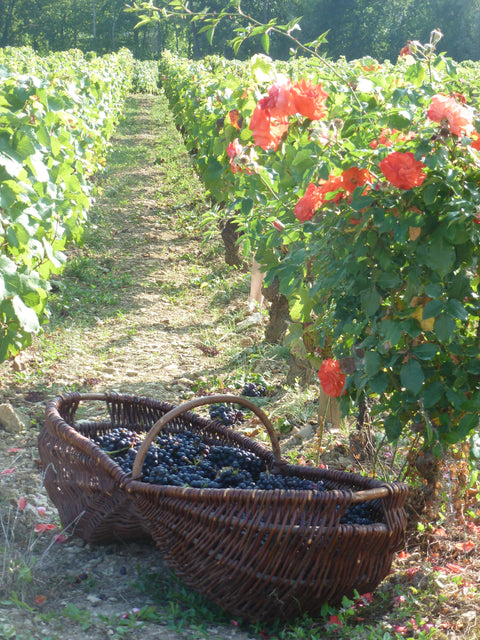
(252, 321)
(10, 419)
(469, 615)
(306, 433)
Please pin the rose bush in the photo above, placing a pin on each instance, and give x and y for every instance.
(368, 216)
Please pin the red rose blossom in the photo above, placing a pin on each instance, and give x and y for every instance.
(280, 100)
(267, 130)
(310, 99)
(447, 109)
(402, 170)
(309, 203)
(331, 378)
(355, 177)
(475, 140)
(234, 149)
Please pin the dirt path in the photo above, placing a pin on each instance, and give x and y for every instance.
(145, 308)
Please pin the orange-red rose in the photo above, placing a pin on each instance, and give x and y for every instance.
(402, 170)
(310, 99)
(309, 203)
(234, 149)
(269, 121)
(355, 177)
(280, 100)
(331, 190)
(476, 140)
(267, 131)
(446, 109)
(331, 378)
(241, 159)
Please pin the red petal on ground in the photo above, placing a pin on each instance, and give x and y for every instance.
(450, 568)
(465, 546)
(41, 528)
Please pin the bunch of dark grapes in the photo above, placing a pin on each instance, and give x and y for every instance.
(185, 460)
(269, 481)
(117, 441)
(225, 414)
(360, 513)
(254, 390)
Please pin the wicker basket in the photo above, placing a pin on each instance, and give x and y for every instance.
(82, 481)
(269, 555)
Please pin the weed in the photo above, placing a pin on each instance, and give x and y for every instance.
(80, 616)
(183, 608)
(16, 563)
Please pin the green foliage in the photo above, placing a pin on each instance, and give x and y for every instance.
(351, 30)
(55, 123)
(386, 279)
(145, 77)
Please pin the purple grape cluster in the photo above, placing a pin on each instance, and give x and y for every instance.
(185, 460)
(225, 414)
(254, 390)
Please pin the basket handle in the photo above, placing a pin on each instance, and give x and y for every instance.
(196, 402)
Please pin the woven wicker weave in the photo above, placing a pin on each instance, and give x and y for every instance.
(270, 555)
(82, 481)
(262, 555)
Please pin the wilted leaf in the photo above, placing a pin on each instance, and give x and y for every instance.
(414, 233)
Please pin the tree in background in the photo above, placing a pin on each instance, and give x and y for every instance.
(380, 29)
(355, 27)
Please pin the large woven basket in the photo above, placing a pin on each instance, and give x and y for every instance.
(82, 481)
(269, 555)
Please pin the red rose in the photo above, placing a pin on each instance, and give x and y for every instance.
(267, 131)
(234, 149)
(447, 109)
(310, 99)
(476, 140)
(309, 203)
(280, 100)
(402, 170)
(331, 378)
(332, 188)
(355, 177)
